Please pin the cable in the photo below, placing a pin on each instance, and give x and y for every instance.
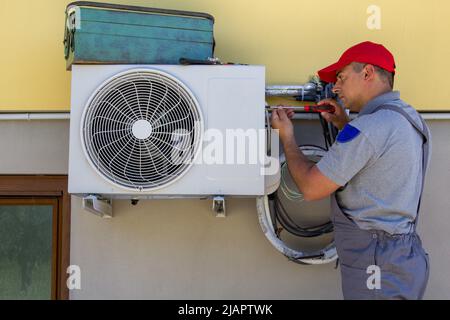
(280, 213)
(325, 91)
(292, 194)
(325, 132)
(268, 133)
(293, 228)
(266, 220)
(289, 193)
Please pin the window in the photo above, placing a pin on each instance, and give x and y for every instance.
(34, 237)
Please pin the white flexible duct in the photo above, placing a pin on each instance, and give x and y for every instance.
(326, 255)
(329, 253)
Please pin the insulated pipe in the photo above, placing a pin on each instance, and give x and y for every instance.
(291, 90)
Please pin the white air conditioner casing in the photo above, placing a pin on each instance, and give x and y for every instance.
(216, 97)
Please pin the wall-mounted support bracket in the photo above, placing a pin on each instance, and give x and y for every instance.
(98, 206)
(219, 206)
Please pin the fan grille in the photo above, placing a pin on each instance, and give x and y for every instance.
(142, 130)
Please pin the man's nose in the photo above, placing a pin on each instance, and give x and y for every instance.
(336, 89)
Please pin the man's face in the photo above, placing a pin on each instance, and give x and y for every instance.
(349, 88)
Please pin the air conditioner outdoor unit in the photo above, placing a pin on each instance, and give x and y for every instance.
(147, 131)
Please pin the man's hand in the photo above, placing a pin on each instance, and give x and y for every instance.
(339, 118)
(308, 178)
(281, 120)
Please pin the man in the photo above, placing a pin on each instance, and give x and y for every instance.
(375, 173)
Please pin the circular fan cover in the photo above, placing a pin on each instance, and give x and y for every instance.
(142, 129)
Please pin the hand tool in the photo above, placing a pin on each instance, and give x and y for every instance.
(310, 109)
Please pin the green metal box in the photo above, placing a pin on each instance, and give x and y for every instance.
(100, 33)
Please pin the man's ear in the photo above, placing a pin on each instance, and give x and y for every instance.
(369, 71)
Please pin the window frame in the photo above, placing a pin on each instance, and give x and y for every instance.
(18, 189)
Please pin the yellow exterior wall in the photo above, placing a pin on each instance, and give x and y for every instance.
(293, 38)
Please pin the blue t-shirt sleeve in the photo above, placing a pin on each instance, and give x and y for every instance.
(351, 152)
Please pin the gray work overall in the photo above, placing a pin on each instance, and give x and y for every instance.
(402, 262)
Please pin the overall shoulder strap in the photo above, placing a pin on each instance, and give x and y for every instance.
(424, 132)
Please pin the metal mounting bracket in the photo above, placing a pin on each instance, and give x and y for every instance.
(98, 206)
(219, 206)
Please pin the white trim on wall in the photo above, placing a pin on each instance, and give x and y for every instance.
(299, 116)
(34, 116)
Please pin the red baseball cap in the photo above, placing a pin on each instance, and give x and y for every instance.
(364, 52)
